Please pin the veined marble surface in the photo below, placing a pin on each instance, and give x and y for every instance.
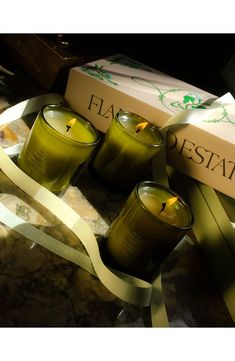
(38, 288)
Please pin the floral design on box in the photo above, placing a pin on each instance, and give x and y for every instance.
(98, 72)
(173, 99)
(176, 99)
(223, 117)
(122, 60)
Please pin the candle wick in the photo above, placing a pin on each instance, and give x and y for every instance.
(140, 126)
(68, 127)
(163, 207)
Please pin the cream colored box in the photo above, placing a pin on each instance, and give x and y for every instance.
(204, 151)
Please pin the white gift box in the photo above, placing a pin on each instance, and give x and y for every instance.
(204, 151)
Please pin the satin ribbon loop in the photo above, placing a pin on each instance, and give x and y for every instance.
(130, 289)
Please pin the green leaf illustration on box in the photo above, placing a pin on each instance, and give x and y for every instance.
(186, 100)
(130, 63)
(98, 72)
(223, 117)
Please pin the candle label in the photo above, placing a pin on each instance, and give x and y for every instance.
(133, 243)
(59, 142)
(36, 161)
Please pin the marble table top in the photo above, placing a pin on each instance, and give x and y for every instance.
(39, 288)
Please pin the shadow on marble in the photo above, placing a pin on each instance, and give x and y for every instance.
(41, 289)
(191, 294)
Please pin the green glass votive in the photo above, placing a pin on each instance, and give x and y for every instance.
(130, 144)
(59, 142)
(151, 223)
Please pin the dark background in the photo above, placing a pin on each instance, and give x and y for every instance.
(194, 58)
(198, 59)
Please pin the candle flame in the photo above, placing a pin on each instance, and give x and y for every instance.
(171, 201)
(72, 122)
(141, 126)
(168, 203)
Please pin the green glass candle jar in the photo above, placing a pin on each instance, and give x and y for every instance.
(59, 142)
(130, 144)
(151, 223)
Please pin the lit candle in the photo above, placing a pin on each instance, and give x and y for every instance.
(59, 142)
(130, 144)
(152, 222)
